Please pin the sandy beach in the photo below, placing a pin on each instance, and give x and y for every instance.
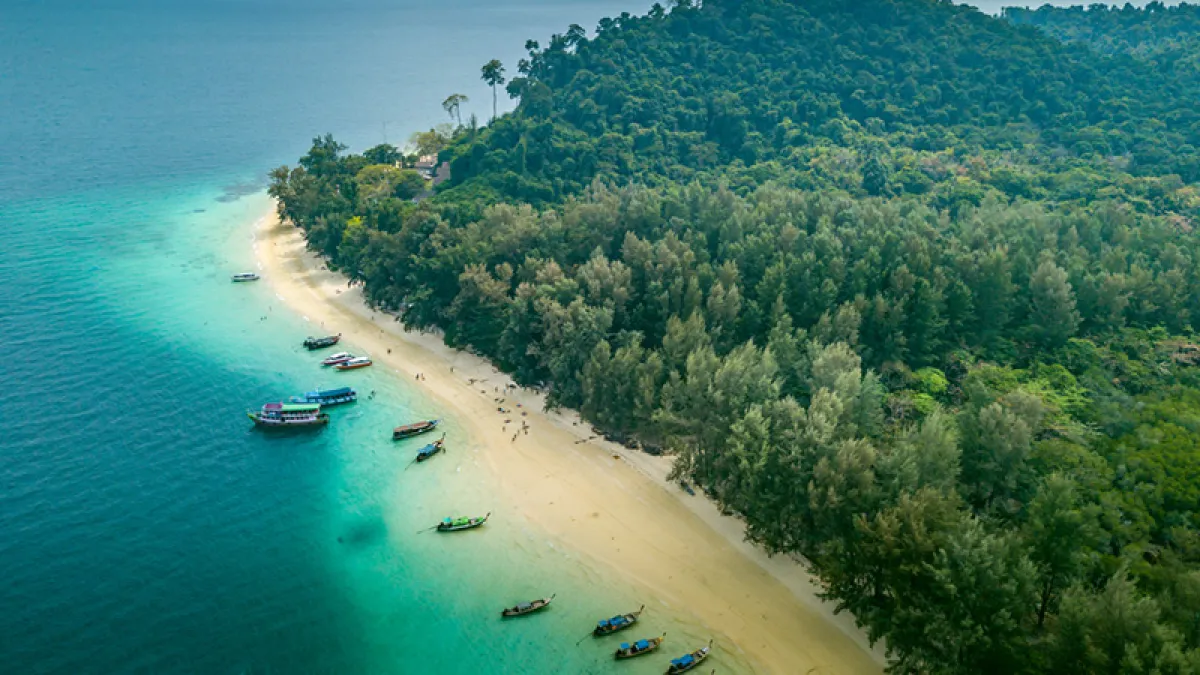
(611, 505)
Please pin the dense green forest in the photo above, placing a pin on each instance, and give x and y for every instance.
(1166, 37)
(911, 289)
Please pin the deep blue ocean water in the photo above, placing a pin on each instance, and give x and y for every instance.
(144, 527)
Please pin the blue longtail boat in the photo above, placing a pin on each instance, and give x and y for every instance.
(432, 449)
(628, 651)
(689, 661)
(620, 622)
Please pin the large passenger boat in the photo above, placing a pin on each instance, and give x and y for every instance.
(327, 397)
(289, 416)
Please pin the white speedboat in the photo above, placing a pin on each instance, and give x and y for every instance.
(337, 359)
(356, 362)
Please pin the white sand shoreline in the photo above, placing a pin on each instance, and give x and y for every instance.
(678, 547)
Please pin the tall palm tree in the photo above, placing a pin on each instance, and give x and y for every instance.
(493, 74)
(452, 104)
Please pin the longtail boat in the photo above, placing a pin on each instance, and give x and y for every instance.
(289, 416)
(628, 651)
(354, 363)
(244, 276)
(312, 343)
(327, 397)
(340, 357)
(432, 449)
(457, 524)
(689, 661)
(414, 429)
(527, 607)
(620, 622)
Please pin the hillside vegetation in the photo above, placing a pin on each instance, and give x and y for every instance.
(909, 288)
(1168, 38)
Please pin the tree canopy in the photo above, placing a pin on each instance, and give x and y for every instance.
(910, 289)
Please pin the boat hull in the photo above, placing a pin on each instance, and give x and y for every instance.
(601, 632)
(538, 606)
(428, 455)
(327, 401)
(698, 657)
(442, 527)
(401, 433)
(321, 343)
(629, 654)
(336, 359)
(267, 423)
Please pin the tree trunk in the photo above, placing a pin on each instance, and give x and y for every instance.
(493, 103)
(1046, 590)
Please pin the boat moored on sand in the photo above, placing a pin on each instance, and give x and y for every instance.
(312, 343)
(689, 661)
(628, 651)
(289, 416)
(354, 363)
(458, 524)
(327, 397)
(414, 429)
(335, 359)
(527, 607)
(617, 623)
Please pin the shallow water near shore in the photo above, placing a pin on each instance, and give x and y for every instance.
(151, 528)
(144, 526)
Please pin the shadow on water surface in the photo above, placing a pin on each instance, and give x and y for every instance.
(365, 531)
(235, 191)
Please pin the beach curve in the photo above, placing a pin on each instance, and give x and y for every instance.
(607, 503)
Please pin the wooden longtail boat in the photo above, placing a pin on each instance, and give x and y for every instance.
(312, 343)
(457, 524)
(527, 607)
(432, 449)
(689, 661)
(414, 429)
(621, 622)
(628, 651)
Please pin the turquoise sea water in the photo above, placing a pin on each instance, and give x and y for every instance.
(144, 527)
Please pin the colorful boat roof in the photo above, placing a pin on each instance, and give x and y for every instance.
(341, 391)
(293, 407)
(642, 644)
(683, 660)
